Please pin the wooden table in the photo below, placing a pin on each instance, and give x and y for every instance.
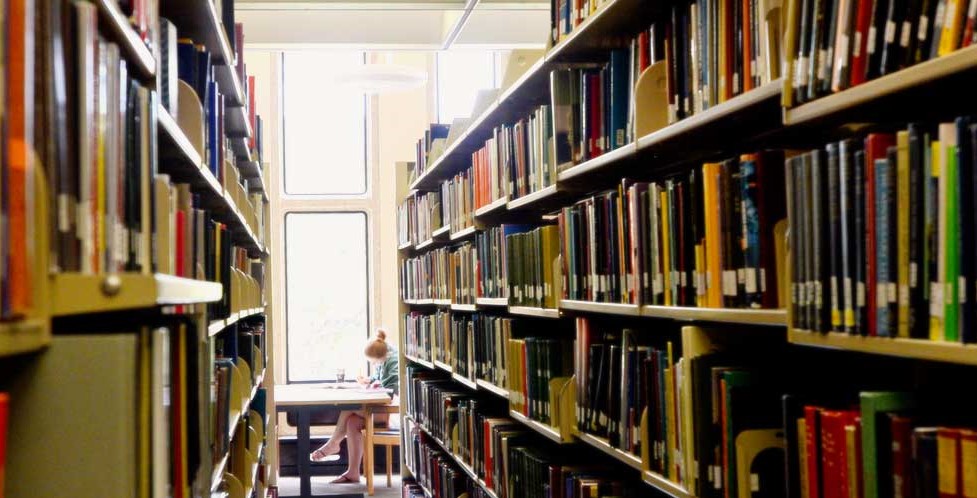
(302, 399)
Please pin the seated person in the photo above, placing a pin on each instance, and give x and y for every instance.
(383, 358)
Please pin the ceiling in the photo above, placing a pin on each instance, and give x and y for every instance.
(393, 24)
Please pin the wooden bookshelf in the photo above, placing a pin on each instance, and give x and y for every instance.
(492, 301)
(120, 31)
(461, 463)
(605, 308)
(608, 22)
(440, 365)
(492, 388)
(777, 317)
(76, 294)
(539, 201)
(493, 209)
(421, 362)
(441, 233)
(24, 336)
(466, 308)
(218, 475)
(216, 326)
(464, 381)
(441, 302)
(598, 163)
(601, 444)
(464, 234)
(405, 247)
(661, 483)
(534, 312)
(925, 77)
(551, 433)
(918, 349)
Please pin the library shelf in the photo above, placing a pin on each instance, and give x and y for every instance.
(254, 471)
(236, 122)
(423, 363)
(912, 80)
(919, 349)
(184, 162)
(466, 308)
(441, 302)
(533, 81)
(249, 168)
(420, 302)
(461, 463)
(745, 105)
(463, 234)
(773, 317)
(425, 244)
(540, 201)
(24, 336)
(596, 164)
(216, 326)
(243, 232)
(218, 475)
(466, 143)
(664, 485)
(606, 23)
(201, 22)
(606, 308)
(239, 145)
(492, 388)
(254, 389)
(440, 365)
(464, 381)
(441, 233)
(493, 208)
(534, 312)
(551, 433)
(405, 246)
(136, 52)
(75, 293)
(492, 301)
(256, 184)
(601, 444)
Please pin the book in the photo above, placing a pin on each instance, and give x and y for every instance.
(4, 417)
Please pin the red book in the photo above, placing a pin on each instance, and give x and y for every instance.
(252, 110)
(834, 454)
(876, 145)
(644, 51)
(859, 58)
(812, 417)
(901, 428)
(4, 402)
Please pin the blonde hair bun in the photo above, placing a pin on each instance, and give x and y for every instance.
(381, 335)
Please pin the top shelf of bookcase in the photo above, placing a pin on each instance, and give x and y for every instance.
(136, 52)
(200, 21)
(76, 294)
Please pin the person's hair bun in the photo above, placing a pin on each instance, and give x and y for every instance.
(381, 335)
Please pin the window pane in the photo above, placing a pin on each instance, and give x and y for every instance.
(326, 294)
(461, 74)
(325, 125)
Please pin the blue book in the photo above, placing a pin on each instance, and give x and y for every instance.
(883, 203)
(620, 98)
(751, 231)
(187, 67)
(213, 128)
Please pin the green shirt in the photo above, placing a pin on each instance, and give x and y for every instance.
(388, 373)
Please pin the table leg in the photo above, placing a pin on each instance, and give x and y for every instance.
(302, 453)
(369, 451)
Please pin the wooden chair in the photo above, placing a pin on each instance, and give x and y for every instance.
(386, 437)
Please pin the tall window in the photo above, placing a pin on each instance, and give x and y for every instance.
(325, 125)
(461, 74)
(327, 294)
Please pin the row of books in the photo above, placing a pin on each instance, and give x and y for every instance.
(885, 230)
(518, 160)
(458, 201)
(418, 217)
(492, 271)
(434, 470)
(532, 262)
(4, 417)
(427, 276)
(534, 365)
(837, 44)
(420, 330)
(704, 239)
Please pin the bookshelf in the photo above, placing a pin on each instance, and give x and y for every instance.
(111, 324)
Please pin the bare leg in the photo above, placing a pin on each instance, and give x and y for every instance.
(332, 447)
(354, 445)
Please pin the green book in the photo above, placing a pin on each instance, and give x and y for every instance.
(951, 314)
(874, 404)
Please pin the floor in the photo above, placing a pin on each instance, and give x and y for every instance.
(289, 486)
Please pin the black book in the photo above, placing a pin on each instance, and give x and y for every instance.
(731, 261)
(790, 187)
(820, 19)
(825, 66)
(803, 181)
(846, 284)
(923, 36)
(227, 18)
(968, 241)
(860, 261)
(918, 253)
(697, 231)
(925, 459)
(908, 34)
(836, 262)
(819, 244)
(892, 48)
(804, 41)
(874, 46)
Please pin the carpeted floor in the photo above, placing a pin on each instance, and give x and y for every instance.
(289, 486)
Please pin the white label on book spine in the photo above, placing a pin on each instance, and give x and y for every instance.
(818, 293)
(962, 289)
(834, 290)
(913, 279)
(903, 295)
(751, 280)
(905, 34)
(763, 280)
(700, 283)
(740, 276)
(847, 291)
(802, 72)
(936, 299)
(822, 68)
(860, 294)
(890, 31)
(891, 292)
(881, 299)
(857, 49)
(872, 33)
(729, 282)
(645, 279)
(717, 476)
(948, 293)
(658, 284)
(924, 23)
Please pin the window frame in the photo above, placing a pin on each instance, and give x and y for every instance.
(497, 70)
(368, 112)
(367, 225)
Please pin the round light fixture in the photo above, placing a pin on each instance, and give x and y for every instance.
(382, 78)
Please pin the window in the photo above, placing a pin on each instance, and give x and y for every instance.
(324, 125)
(326, 294)
(461, 75)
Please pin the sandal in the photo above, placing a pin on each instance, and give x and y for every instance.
(320, 455)
(344, 479)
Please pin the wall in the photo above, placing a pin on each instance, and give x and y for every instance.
(397, 120)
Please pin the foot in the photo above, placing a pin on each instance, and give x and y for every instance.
(323, 454)
(345, 479)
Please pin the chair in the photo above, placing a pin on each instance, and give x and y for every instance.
(386, 437)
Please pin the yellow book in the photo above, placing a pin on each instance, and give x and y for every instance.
(163, 212)
(936, 283)
(790, 49)
(968, 463)
(145, 425)
(713, 249)
(721, 52)
(802, 456)
(181, 354)
(551, 255)
(952, 27)
(665, 242)
(947, 458)
(902, 232)
(671, 471)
